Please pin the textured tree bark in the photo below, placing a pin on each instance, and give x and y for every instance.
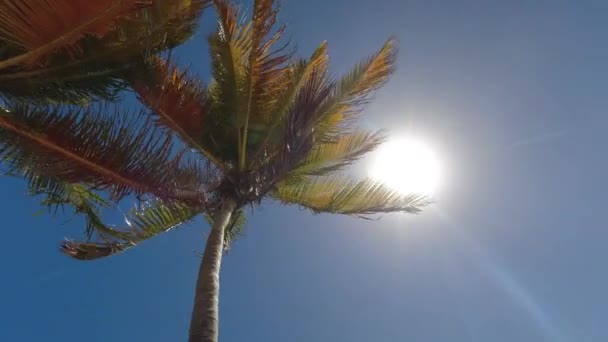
(204, 325)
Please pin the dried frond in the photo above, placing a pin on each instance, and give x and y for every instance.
(91, 251)
(41, 27)
(337, 194)
(77, 145)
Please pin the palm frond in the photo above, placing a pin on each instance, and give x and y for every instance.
(86, 145)
(296, 139)
(266, 73)
(173, 21)
(229, 45)
(41, 27)
(81, 198)
(334, 155)
(80, 83)
(180, 103)
(142, 224)
(104, 63)
(354, 90)
(298, 75)
(340, 195)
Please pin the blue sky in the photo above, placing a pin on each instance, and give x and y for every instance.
(512, 96)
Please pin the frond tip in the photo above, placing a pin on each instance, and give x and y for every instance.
(356, 88)
(339, 195)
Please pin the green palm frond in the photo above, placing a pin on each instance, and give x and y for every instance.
(142, 223)
(354, 90)
(266, 72)
(77, 83)
(90, 146)
(229, 46)
(81, 198)
(334, 155)
(162, 25)
(339, 195)
(298, 76)
(156, 217)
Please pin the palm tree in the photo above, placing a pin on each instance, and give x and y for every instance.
(82, 50)
(267, 126)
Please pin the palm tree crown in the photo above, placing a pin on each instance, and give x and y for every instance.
(268, 125)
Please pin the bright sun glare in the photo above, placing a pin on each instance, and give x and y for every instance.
(408, 166)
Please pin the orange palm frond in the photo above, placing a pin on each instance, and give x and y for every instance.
(41, 27)
(89, 146)
(180, 103)
(229, 47)
(101, 70)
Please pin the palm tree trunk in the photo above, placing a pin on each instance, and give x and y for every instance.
(205, 317)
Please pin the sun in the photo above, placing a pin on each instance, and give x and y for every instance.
(407, 165)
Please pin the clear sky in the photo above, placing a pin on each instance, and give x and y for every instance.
(511, 94)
